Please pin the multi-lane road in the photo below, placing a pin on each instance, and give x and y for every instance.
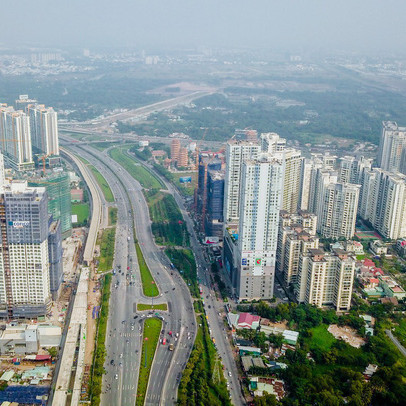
(124, 331)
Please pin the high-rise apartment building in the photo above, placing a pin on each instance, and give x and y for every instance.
(337, 210)
(15, 138)
(297, 234)
(24, 256)
(260, 199)
(183, 159)
(59, 199)
(383, 202)
(236, 153)
(352, 169)
(175, 149)
(326, 278)
(392, 147)
(44, 129)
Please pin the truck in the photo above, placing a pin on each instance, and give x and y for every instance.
(171, 347)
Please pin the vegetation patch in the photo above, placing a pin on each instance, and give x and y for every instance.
(112, 216)
(95, 384)
(82, 211)
(184, 261)
(136, 170)
(203, 381)
(186, 189)
(148, 284)
(167, 225)
(152, 329)
(161, 306)
(321, 338)
(106, 243)
(104, 186)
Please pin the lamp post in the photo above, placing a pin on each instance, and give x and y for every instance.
(146, 348)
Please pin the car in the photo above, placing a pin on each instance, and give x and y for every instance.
(135, 317)
(132, 328)
(112, 362)
(121, 355)
(116, 376)
(229, 374)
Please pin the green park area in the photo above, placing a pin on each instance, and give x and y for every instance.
(167, 221)
(321, 339)
(148, 284)
(203, 381)
(136, 170)
(106, 243)
(152, 329)
(161, 306)
(108, 195)
(82, 211)
(186, 189)
(95, 383)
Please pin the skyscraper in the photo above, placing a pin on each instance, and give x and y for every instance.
(24, 256)
(215, 203)
(15, 138)
(261, 194)
(384, 202)
(392, 147)
(236, 153)
(175, 148)
(44, 129)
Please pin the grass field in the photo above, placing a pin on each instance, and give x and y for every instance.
(108, 194)
(321, 338)
(106, 243)
(167, 221)
(95, 383)
(148, 284)
(152, 329)
(112, 216)
(138, 172)
(162, 306)
(82, 210)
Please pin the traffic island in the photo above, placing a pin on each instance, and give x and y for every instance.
(152, 329)
(149, 287)
(159, 306)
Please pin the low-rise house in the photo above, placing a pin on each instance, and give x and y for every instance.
(249, 350)
(290, 337)
(270, 385)
(354, 246)
(247, 320)
(391, 287)
(369, 371)
(377, 247)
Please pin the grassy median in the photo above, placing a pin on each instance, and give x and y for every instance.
(106, 242)
(161, 306)
(152, 329)
(104, 186)
(95, 384)
(136, 170)
(148, 284)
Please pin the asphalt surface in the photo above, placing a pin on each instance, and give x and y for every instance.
(212, 306)
(124, 334)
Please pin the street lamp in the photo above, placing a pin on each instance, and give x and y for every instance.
(146, 348)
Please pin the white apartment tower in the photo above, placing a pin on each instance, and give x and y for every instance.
(384, 202)
(392, 147)
(260, 199)
(337, 210)
(15, 138)
(44, 129)
(326, 279)
(236, 153)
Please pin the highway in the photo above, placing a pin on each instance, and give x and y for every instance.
(124, 332)
(212, 306)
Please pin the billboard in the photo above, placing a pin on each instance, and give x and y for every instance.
(244, 261)
(211, 240)
(185, 179)
(258, 261)
(18, 224)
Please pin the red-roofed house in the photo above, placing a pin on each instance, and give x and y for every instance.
(368, 262)
(247, 320)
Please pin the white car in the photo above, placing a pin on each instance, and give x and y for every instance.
(116, 376)
(229, 374)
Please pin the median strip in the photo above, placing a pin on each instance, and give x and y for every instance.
(152, 329)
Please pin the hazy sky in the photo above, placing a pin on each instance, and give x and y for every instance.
(360, 25)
